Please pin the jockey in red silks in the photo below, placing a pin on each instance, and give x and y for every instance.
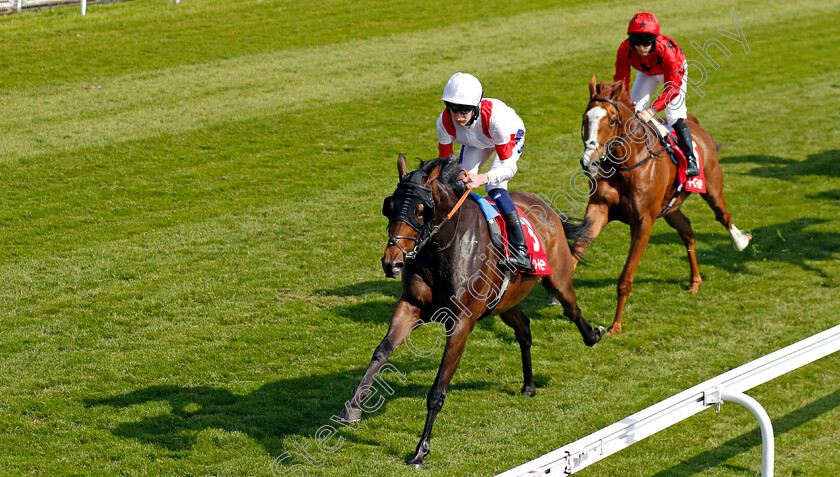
(483, 126)
(657, 59)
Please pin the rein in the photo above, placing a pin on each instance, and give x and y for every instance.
(457, 205)
(427, 232)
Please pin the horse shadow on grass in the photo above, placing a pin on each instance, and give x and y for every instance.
(826, 163)
(367, 311)
(268, 415)
(828, 195)
(789, 242)
(388, 287)
(712, 458)
(277, 410)
(381, 311)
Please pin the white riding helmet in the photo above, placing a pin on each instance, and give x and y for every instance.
(463, 88)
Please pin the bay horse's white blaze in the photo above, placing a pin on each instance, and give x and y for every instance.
(594, 116)
(739, 239)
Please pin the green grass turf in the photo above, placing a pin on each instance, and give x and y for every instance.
(190, 280)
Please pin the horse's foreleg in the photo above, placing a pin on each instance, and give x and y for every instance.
(596, 218)
(682, 225)
(640, 234)
(434, 402)
(522, 330)
(403, 321)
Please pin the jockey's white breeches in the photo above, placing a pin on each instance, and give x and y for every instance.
(500, 172)
(644, 87)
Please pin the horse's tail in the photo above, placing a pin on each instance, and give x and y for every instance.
(575, 228)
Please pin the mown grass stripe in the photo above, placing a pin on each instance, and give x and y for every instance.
(200, 96)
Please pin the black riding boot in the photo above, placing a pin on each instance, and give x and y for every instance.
(684, 134)
(519, 259)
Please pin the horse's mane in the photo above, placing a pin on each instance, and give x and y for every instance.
(449, 173)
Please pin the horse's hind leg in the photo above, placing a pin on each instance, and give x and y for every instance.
(522, 330)
(716, 200)
(563, 291)
(682, 225)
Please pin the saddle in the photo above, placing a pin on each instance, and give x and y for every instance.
(671, 143)
(669, 139)
(498, 235)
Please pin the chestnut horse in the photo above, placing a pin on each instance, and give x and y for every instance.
(635, 183)
(450, 276)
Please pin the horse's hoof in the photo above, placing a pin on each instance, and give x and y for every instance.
(694, 288)
(350, 414)
(422, 451)
(614, 330)
(528, 391)
(740, 240)
(553, 301)
(599, 333)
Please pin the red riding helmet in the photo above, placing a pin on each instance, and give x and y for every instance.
(643, 23)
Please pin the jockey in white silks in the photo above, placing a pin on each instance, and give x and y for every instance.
(483, 126)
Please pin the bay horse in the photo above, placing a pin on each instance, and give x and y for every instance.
(450, 276)
(635, 183)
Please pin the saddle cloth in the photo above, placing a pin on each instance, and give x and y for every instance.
(696, 183)
(536, 250)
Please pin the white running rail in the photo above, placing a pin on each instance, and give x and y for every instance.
(729, 386)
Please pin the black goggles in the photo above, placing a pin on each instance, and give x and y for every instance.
(642, 39)
(458, 108)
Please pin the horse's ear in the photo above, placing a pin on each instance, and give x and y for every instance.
(432, 177)
(434, 174)
(593, 87)
(617, 89)
(401, 167)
